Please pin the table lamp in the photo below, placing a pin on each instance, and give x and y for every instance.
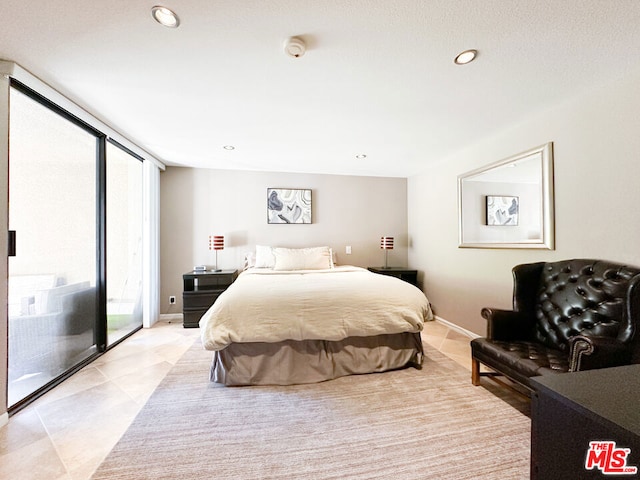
(216, 242)
(386, 243)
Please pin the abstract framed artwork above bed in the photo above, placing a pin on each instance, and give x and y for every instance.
(502, 210)
(288, 205)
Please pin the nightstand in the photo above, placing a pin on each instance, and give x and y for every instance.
(200, 291)
(409, 276)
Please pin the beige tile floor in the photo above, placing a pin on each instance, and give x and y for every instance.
(69, 431)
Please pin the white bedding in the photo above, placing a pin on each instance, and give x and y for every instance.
(264, 305)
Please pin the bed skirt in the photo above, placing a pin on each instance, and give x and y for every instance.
(311, 361)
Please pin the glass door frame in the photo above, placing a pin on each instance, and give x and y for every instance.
(152, 166)
(101, 237)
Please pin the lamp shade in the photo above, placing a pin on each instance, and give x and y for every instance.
(216, 242)
(386, 243)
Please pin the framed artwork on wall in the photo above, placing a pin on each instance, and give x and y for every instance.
(502, 210)
(288, 205)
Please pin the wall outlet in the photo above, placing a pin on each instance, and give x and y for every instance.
(348, 249)
(172, 300)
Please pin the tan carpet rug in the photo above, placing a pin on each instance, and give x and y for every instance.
(407, 424)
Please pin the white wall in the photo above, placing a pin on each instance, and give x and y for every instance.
(596, 137)
(347, 210)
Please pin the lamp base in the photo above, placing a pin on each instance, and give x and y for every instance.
(216, 269)
(386, 258)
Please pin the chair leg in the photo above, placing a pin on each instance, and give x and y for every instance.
(475, 371)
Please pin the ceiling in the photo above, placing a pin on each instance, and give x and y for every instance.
(378, 76)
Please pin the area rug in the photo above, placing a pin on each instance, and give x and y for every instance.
(405, 424)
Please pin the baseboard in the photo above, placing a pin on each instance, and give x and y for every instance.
(4, 419)
(171, 317)
(457, 328)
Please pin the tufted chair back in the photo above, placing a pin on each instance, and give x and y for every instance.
(586, 297)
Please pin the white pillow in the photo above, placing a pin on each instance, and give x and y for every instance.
(315, 258)
(264, 257)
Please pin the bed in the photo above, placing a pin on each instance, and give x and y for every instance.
(293, 322)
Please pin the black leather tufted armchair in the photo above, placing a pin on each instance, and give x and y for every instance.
(567, 316)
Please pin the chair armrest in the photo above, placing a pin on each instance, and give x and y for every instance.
(588, 353)
(506, 325)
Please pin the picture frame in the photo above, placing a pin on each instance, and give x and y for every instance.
(502, 210)
(289, 206)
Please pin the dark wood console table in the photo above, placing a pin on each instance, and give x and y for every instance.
(570, 410)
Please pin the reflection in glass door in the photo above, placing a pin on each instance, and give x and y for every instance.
(124, 243)
(52, 278)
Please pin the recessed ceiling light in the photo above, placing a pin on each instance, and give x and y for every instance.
(466, 57)
(360, 156)
(165, 17)
(229, 147)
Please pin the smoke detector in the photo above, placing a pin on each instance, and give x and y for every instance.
(295, 47)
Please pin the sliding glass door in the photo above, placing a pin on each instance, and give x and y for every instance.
(53, 277)
(75, 278)
(124, 242)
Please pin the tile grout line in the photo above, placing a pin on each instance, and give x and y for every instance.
(53, 443)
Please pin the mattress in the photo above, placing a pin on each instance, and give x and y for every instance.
(302, 326)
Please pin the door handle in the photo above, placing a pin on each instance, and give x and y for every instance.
(12, 243)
